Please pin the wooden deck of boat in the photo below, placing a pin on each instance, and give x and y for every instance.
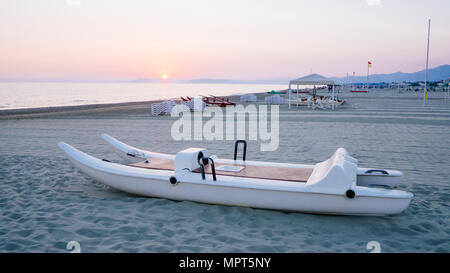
(259, 172)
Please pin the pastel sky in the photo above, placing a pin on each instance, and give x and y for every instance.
(228, 39)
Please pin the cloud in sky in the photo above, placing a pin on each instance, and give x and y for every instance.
(245, 39)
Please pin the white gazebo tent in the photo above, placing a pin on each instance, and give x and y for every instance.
(313, 79)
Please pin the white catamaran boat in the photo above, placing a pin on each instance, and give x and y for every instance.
(334, 186)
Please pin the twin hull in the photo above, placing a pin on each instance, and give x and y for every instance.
(155, 183)
(134, 155)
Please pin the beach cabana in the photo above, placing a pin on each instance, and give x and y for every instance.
(313, 79)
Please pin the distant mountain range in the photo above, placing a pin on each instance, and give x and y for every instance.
(213, 81)
(434, 74)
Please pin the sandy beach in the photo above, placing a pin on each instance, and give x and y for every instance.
(47, 202)
(70, 110)
(124, 107)
(341, 146)
(145, 106)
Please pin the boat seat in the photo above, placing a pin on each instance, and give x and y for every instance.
(155, 163)
(258, 172)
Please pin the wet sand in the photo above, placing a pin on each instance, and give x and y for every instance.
(88, 109)
(144, 106)
(81, 109)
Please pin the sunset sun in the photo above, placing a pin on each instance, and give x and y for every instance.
(164, 77)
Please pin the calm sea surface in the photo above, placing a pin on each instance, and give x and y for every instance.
(29, 95)
(45, 202)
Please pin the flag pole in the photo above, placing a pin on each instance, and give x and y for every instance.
(425, 94)
(369, 65)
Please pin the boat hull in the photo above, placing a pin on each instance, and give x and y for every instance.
(386, 178)
(389, 178)
(290, 196)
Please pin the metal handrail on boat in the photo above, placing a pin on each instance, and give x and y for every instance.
(236, 147)
(205, 161)
(378, 171)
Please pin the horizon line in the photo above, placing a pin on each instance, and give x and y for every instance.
(191, 80)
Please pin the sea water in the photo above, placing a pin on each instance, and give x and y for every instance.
(45, 202)
(19, 95)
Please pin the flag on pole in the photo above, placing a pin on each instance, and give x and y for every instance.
(369, 64)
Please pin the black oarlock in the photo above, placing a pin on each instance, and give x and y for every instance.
(350, 194)
(173, 180)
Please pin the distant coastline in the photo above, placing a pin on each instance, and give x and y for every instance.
(438, 73)
(435, 74)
